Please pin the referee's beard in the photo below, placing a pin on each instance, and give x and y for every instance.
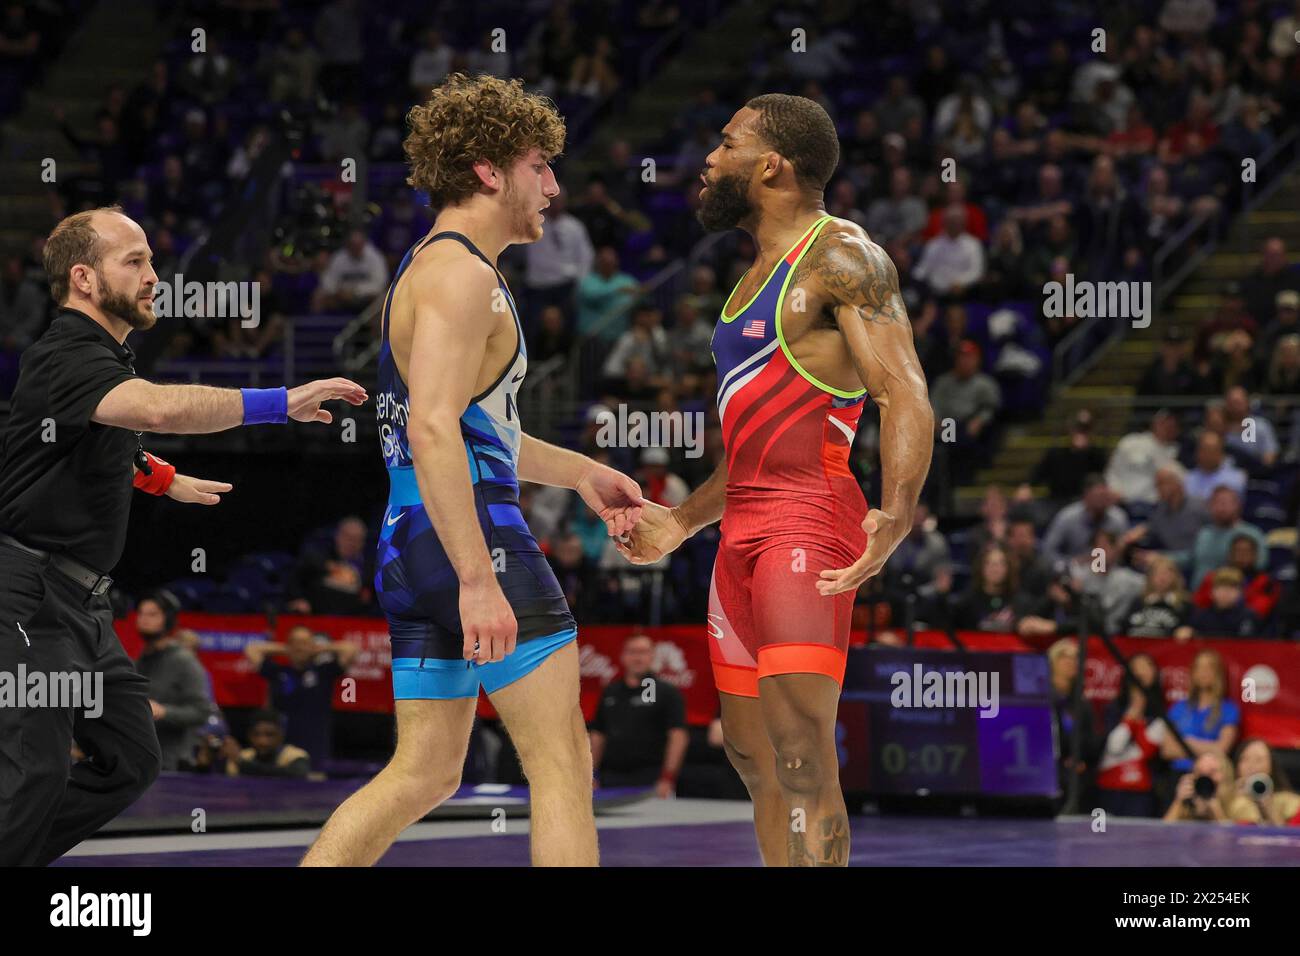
(131, 309)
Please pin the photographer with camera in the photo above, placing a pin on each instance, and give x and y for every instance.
(1264, 795)
(1204, 794)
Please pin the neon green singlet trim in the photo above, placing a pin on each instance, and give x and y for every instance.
(780, 335)
(731, 318)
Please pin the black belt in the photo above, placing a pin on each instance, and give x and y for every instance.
(88, 578)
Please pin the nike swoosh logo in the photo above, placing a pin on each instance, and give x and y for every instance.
(392, 521)
(518, 378)
(715, 630)
(24, 634)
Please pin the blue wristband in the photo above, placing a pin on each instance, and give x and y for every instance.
(265, 406)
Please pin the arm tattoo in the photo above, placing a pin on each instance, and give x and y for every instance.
(857, 272)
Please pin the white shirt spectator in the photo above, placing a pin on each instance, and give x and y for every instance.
(363, 277)
(430, 67)
(1134, 463)
(653, 348)
(951, 261)
(563, 254)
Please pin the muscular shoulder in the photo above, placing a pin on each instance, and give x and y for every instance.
(451, 271)
(851, 269)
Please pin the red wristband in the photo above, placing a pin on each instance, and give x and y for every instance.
(161, 478)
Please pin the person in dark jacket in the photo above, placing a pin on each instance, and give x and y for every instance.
(178, 685)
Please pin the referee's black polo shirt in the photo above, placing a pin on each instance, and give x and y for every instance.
(67, 486)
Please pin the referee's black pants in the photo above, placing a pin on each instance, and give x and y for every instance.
(48, 804)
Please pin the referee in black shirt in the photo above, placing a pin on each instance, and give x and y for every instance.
(70, 456)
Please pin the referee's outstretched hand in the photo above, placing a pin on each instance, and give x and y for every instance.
(305, 400)
(197, 491)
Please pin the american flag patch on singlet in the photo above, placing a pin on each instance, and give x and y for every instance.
(754, 328)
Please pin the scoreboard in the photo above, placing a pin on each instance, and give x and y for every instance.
(947, 723)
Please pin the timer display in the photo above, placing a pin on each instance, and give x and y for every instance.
(946, 723)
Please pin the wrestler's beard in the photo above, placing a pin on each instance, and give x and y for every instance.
(725, 205)
(523, 220)
(127, 308)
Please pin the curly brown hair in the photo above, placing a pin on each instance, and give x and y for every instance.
(466, 120)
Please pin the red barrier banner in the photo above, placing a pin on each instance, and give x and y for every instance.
(1271, 669)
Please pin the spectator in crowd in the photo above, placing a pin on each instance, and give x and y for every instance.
(646, 340)
(918, 555)
(575, 572)
(303, 688)
(23, 306)
(335, 579)
(1063, 469)
(994, 524)
(1131, 472)
(608, 222)
(178, 685)
(1071, 531)
(602, 294)
(209, 78)
(1261, 590)
(1134, 729)
(658, 484)
(552, 338)
(1273, 275)
(995, 601)
(966, 402)
(934, 602)
(1205, 792)
(954, 194)
(1171, 372)
(1208, 719)
(1063, 664)
(952, 261)
(1177, 519)
(638, 735)
(268, 755)
(1050, 202)
(1210, 549)
(898, 105)
(1100, 574)
(1163, 608)
(901, 215)
(1264, 793)
(1283, 371)
(704, 295)
(354, 277)
(345, 135)
(1022, 541)
(556, 262)
(293, 67)
(707, 772)
(338, 34)
(1004, 277)
(690, 342)
(593, 75)
(1214, 469)
(1285, 323)
(1227, 615)
(430, 65)
(1249, 436)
